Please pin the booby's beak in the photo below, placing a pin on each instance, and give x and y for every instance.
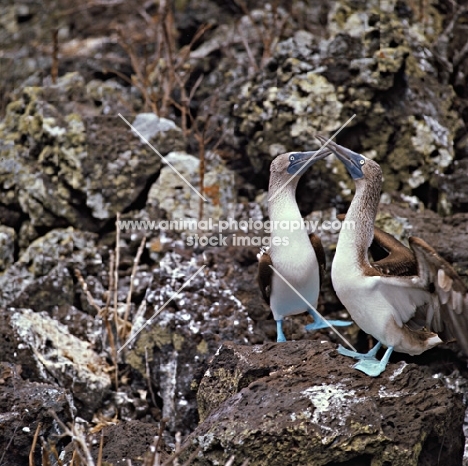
(351, 160)
(301, 161)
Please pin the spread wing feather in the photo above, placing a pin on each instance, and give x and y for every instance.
(400, 260)
(407, 301)
(435, 298)
(448, 315)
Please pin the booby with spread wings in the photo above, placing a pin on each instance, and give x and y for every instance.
(290, 271)
(410, 301)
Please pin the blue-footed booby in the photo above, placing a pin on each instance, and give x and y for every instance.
(409, 301)
(295, 261)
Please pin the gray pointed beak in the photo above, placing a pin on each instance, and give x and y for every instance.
(351, 160)
(301, 161)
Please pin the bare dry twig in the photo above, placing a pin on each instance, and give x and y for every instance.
(101, 445)
(158, 76)
(78, 437)
(148, 377)
(269, 33)
(84, 287)
(34, 442)
(55, 62)
(116, 272)
(103, 313)
(125, 329)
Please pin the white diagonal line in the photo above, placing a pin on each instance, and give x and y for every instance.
(162, 158)
(161, 308)
(318, 152)
(310, 305)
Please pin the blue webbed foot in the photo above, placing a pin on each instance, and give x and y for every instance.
(320, 322)
(353, 354)
(279, 332)
(373, 367)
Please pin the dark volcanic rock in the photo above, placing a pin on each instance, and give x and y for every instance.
(303, 403)
(48, 353)
(45, 293)
(23, 405)
(454, 185)
(126, 441)
(179, 342)
(46, 260)
(64, 161)
(372, 66)
(272, 77)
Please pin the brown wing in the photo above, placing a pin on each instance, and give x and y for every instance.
(447, 313)
(320, 253)
(398, 259)
(264, 275)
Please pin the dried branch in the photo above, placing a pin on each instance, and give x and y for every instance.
(167, 70)
(127, 326)
(148, 378)
(104, 314)
(101, 445)
(78, 439)
(230, 461)
(178, 451)
(55, 49)
(250, 54)
(141, 80)
(34, 442)
(84, 288)
(192, 457)
(52, 449)
(116, 272)
(267, 34)
(154, 457)
(45, 453)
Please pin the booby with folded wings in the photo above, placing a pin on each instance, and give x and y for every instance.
(291, 270)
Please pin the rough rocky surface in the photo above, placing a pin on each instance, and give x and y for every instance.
(371, 65)
(47, 352)
(23, 406)
(299, 402)
(39, 260)
(7, 246)
(127, 441)
(259, 79)
(64, 165)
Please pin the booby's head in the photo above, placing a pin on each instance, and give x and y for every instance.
(299, 162)
(358, 165)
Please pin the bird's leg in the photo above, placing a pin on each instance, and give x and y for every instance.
(353, 354)
(320, 322)
(373, 367)
(279, 331)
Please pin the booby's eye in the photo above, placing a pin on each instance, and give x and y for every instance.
(291, 158)
(361, 162)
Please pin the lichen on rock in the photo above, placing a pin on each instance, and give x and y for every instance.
(287, 404)
(63, 154)
(179, 197)
(57, 356)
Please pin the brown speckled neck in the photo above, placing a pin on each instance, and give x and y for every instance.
(363, 210)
